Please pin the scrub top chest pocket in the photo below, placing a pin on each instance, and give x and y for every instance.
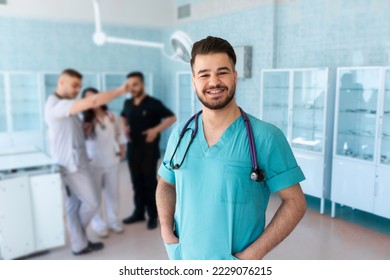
(238, 188)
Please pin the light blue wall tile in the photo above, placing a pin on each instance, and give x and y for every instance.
(33, 45)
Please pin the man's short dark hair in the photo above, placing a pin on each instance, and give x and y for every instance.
(211, 45)
(136, 74)
(72, 73)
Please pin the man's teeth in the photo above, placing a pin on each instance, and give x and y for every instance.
(215, 91)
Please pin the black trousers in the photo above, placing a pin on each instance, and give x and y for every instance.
(142, 160)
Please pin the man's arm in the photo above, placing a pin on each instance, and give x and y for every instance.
(152, 133)
(166, 203)
(125, 128)
(288, 215)
(96, 100)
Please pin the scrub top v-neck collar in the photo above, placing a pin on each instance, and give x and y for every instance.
(225, 137)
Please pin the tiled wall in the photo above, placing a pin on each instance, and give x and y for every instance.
(333, 33)
(33, 45)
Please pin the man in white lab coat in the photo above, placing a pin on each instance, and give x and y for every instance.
(67, 145)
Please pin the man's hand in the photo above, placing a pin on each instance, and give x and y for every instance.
(122, 148)
(151, 135)
(168, 236)
(245, 255)
(125, 88)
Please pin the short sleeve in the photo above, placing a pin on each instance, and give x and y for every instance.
(162, 111)
(165, 170)
(279, 164)
(61, 109)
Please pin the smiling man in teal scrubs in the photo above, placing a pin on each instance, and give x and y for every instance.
(209, 207)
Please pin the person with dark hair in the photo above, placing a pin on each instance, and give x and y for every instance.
(106, 148)
(67, 145)
(143, 119)
(219, 169)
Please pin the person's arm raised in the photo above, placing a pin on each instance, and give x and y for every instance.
(96, 100)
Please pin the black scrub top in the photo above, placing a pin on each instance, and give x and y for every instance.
(140, 118)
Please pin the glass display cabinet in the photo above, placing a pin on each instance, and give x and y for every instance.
(50, 82)
(298, 102)
(21, 118)
(275, 98)
(3, 112)
(361, 173)
(25, 101)
(187, 101)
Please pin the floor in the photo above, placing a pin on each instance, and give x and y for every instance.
(351, 235)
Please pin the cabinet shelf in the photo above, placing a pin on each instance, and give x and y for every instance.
(309, 107)
(369, 134)
(385, 136)
(385, 159)
(359, 111)
(276, 106)
(365, 157)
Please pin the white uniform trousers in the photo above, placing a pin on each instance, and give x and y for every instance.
(81, 205)
(106, 180)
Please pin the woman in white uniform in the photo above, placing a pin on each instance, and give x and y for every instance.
(106, 148)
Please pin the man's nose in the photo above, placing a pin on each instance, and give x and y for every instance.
(214, 80)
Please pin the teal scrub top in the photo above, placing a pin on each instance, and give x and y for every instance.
(219, 210)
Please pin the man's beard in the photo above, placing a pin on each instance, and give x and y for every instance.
(220, 104)
(138, 93)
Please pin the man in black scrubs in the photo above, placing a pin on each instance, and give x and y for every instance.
(143, 119)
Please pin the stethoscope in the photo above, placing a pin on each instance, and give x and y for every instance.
(256, 174)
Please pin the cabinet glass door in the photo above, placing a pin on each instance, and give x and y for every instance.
(385, 147)
(275, 98)
(50, 81)
(112, 81)
(25, 102)
(308, 109)
(357, 113)
(3, 112)
(185, 99)
(90, 80)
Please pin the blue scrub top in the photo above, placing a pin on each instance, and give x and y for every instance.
(219, 210)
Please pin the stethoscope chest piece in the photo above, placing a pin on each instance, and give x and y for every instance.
(257, 175)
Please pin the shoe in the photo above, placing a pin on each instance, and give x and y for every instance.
(90, 248)
(117, 228)
(86, 250)
(95, 246)
(152, 223)
(101, 233)
(133, 219)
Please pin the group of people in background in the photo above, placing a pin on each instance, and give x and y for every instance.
(90, 149)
